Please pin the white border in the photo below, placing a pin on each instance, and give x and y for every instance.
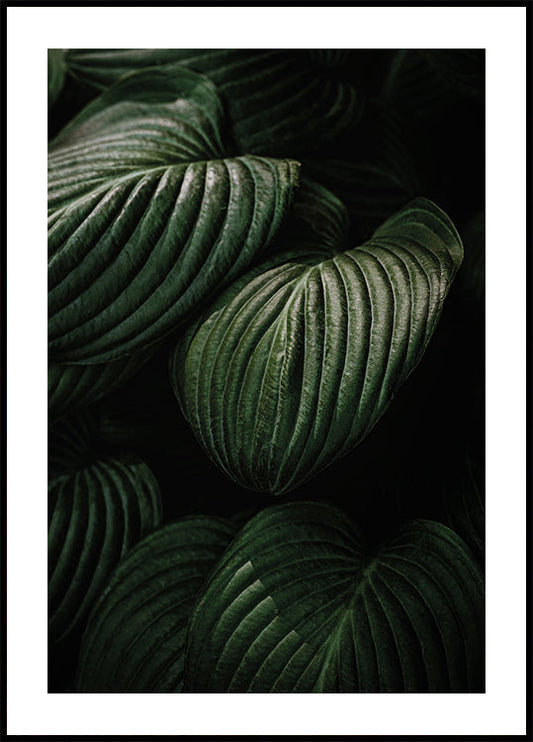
(501, 710)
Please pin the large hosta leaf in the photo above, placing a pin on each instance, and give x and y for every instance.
(279, 101)
(148, 219)
(296, 605)
(293, 366)
(98, 509)
(135, 637)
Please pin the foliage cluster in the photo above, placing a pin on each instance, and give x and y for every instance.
(266, 370)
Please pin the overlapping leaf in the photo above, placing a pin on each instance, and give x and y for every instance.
(98, 509)
(148, 219)
(135, 637)
(293, 366)
(295, 605)
(279, 101)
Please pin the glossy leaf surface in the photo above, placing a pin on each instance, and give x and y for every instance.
(296, 605)
(293, 367)
(148, 219)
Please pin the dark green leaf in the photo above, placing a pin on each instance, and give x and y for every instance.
(135, 637)
(293, 366)
(295, 605)
(96, 514)
(278, 101)
(147, 217)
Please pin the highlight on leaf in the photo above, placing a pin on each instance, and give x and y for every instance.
(244, 219)
(296, 604)
(294, 365)
(147, 217)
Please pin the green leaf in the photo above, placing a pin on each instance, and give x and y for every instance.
(296, 605)
(279, 101)
(148, 219)
(293, 366)
(96, 514)
(56, 74)
(135, 637)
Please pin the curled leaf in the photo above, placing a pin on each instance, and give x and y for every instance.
(148, 219)
(293, 366)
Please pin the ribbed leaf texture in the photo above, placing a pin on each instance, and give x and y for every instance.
(148, 219)
(279, 101)
(56, 74)
(293, 367)
(295, 605)
(97, 512)
(135, 637)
